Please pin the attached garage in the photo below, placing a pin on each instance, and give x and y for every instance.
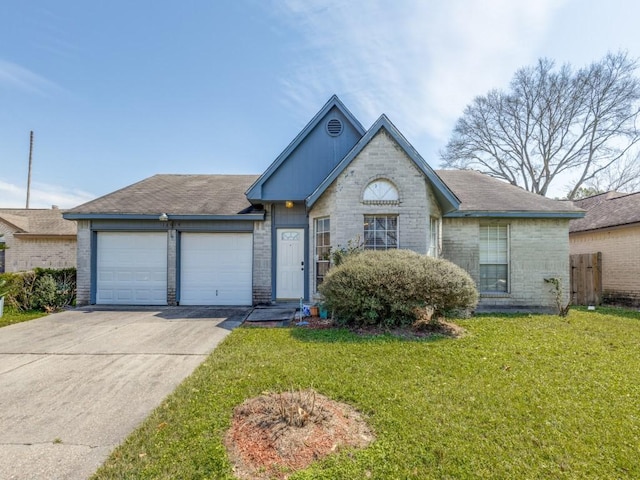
(216, 268)
(131, 268)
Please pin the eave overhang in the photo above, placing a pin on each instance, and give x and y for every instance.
(133, 216)
(54, 236)
(511, 214)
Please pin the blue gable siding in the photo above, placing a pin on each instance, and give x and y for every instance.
(311, 161)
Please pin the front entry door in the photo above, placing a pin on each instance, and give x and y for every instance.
(290, 263)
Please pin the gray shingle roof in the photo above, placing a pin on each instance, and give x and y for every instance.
(480, 193)
(177, 195)
(35, 221)
(607, 210)
(224, 195)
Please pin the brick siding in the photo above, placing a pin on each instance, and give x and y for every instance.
(620, 249)
(538, 249)
(26, 253)
(262, 259)
(343, 200)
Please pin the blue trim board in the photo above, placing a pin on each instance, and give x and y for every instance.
(254, 193)
(178, 265)
(130, 216)
(93, 268)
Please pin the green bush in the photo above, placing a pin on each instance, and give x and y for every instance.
(42, 289)
(391, 288)
(44, 294)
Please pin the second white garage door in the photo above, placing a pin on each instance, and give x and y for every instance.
(216, 268)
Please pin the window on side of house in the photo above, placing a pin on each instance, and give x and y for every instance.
(380, 232)
(323, 248)
(434, 237)
(494, 258)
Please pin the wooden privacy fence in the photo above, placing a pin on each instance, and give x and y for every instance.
(586, 278)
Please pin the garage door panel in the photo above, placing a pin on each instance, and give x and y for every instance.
(216, 269)
(132, 268)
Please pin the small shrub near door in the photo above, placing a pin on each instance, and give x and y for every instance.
(391, 288)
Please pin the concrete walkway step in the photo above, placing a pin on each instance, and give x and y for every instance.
(271, 316)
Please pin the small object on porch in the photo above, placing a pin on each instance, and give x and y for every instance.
(314, 310)
(306, 310)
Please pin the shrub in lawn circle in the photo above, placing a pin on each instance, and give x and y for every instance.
(390, 288)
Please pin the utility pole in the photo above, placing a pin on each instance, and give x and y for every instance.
(30, 161)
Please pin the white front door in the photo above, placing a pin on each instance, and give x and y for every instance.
(290, 263)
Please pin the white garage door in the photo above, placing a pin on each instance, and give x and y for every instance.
(132, 268)
(216, 268)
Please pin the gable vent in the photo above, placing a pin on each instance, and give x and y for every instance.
(334, 127)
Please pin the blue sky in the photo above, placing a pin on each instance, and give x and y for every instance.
(117, 91)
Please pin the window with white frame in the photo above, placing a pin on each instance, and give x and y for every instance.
(494, 258)
(323, 248)
(380, 232)
(434, 237)
(380, 191)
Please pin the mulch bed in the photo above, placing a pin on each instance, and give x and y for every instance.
(264, 443)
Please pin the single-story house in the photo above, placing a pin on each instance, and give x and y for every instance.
(253, 239)
(36, 238)
(611, 226)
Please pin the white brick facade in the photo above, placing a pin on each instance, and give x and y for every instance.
(530, 258)
(262, 259)
(83, 291)
(383, 158)
(343, 199)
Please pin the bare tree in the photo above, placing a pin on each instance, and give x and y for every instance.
(553, 122)
(623, 176)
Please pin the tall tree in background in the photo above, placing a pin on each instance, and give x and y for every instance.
(553, 122)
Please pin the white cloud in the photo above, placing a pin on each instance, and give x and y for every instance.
(13, 75)
(420, 62)
(42, 196)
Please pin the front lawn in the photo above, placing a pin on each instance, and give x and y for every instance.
(11, 316)
(518, 397)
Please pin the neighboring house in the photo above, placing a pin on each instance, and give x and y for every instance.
(36, 238)
(611, 226)
(248, 239)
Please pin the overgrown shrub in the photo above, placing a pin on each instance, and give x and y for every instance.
(388, 288)
(42, 289)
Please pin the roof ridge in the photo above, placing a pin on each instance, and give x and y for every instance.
(624, 195)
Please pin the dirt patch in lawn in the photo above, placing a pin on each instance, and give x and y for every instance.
(277, 434)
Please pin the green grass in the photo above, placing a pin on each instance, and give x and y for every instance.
(519, 397)
(11, 316)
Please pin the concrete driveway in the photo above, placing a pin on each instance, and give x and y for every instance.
(74, 384)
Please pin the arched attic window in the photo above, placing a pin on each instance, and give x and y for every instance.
(381, 191)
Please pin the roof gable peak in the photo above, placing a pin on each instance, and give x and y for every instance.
(254, 193)
(445, 196)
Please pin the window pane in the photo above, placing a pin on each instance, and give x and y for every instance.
(323, 248)
(380, 232)
(494, 258)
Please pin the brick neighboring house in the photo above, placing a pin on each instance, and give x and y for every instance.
(36, 238)
(250, 239)
(611, 226)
